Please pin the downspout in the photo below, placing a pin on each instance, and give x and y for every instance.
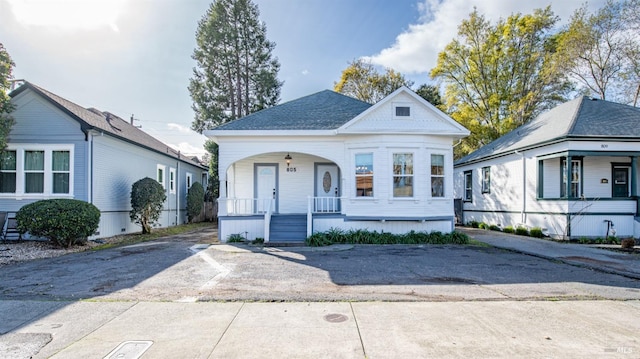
(523, 213)
(90, 167)
(177, 192)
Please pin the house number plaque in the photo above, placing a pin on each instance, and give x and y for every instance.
(291, 169)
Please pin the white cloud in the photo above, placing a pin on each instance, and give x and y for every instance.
(305, 72)
(68, 14)
(415, 50)
(188, 149)
(179, 128)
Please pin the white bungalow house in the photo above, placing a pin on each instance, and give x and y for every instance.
(330, 161)
(572, 171)
(58, 149)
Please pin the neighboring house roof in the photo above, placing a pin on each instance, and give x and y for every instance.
(92, 119)
(581, 118)
(325, 110)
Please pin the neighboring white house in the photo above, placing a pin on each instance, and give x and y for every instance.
(573, 171)
(330, 161)
(58, 149)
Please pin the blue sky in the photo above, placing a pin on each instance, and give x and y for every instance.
(134, 56)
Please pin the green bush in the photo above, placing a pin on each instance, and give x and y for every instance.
(508, 229)
(536, 232)
(483, 225)
(522, 231)
(473, 224)
(64, 222)
(147, 198)
(493, 227)
(235, 238)
(195, 201)
(360, 236)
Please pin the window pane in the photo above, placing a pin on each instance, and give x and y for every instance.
(403, 111)
(34, 182)
(7, 182)
(8, 161)
(60, 160)
(160, 175)
(402, 163)
(34, 160)
(437, 186)
(60, 183)
(402, 186)
(437, 165)
(364, 163)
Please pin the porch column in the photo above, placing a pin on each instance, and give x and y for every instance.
(567, 189)
(634, 182)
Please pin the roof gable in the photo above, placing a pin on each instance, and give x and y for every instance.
(583, 117)
(423, 117)
(106, 122)
(325, 110)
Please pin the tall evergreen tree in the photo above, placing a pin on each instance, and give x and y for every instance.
(501, 76)
(235, 72)
(6, 121)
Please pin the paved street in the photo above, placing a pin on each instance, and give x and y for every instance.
(181, 298)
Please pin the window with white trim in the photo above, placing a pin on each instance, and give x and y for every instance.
(36, 170)
(364, 174)
(437, 175)
(8, 173)
(160, 174)
(188, 180)
(403, 175)
(468, 186)
(172, 180)
(401, 110)
(575, 173)
(486, 179)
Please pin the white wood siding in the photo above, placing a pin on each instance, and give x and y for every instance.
(422, 118)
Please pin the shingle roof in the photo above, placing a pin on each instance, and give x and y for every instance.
(107, 122)
(325, 110)
(582, 117)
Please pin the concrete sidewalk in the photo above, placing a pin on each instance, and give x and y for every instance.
(509, 329)
(626, 264)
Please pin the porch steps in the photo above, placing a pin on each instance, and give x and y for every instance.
(288, 228)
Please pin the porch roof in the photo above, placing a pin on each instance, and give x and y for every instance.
(325, 110)
(581, 118)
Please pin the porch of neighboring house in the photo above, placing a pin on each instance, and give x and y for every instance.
(589, 193)
(276, 196)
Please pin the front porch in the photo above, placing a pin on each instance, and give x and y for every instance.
(589, 193)
(275, 196)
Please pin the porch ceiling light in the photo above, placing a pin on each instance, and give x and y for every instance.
(288, 159)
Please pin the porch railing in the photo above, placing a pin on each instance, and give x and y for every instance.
(321, 205)
(267, 221)
(245, 206)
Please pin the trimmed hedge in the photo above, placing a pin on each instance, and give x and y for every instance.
(360, 236)
(64, 222)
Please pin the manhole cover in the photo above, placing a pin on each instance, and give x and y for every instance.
(131, 349)
(335, 318)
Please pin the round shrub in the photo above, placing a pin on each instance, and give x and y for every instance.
(195, 201)
(536, 232)
(147, 201)
(64, 222)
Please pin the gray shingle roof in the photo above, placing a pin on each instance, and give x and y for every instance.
(325, 110)
(106, 122)
(583, 117)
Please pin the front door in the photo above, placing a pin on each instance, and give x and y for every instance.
(327, 188)
(266, 185)
(620, 182)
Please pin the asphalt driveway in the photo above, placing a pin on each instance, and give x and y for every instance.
(180, 269)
